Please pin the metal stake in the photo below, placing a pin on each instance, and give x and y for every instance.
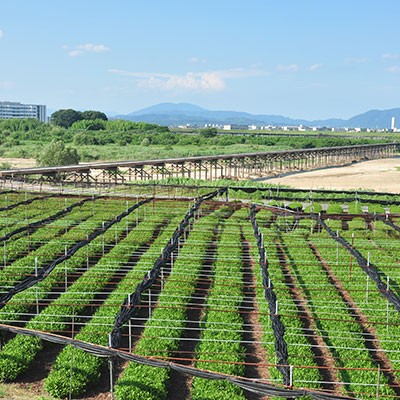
(387, 305)
(337, 248)
(378, 382)
(7, 211)
(127, 218)
(72, 357)
(367, 289)
(87, 256)
(130, 326)
(110, 364)
(149, 304)
(66, 269)
(103, 237)
(37, 286)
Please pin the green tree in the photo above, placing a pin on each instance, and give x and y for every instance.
(56, 153)
(92, 115)
(208, 132)
(89, 125)
(86, 138)
(65, 118)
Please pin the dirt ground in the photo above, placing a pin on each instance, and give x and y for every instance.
(379, 175)
(19, 162)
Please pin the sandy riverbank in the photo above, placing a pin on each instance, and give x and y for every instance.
(379, 175)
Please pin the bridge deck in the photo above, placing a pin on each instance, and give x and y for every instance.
(140, 163)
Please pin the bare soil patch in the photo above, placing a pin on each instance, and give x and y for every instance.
(19, 162)
(379, 175)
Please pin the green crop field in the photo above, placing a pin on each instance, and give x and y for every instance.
(287, 288)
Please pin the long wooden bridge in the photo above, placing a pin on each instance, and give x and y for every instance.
(233, 166)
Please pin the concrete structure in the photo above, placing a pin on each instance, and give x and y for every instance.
(10, 109)
(392, 127)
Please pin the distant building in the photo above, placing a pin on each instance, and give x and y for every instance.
(252, 127)
(392, 127)
(239, 127)
(227, 127)
(301, 128)
(10, 109)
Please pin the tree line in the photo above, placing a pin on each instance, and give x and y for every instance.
(92, 128)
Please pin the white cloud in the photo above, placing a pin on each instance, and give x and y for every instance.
(315, 66)
(86, 48)
(355, 60)
(1, 33)
(287, 68)
(197, 60)
(209, 80)
(74, 53)
(5, 84)
(393, 69)
(390, 56)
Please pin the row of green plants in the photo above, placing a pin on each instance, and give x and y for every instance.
(86, 368)
(299, 346)
(77, 226)
(162, 333)
(9, 198)
(373, 307)
(22, 303)
(18, 353)
(384, 257)
(24, 215)
(342, 334)
(25, 250)
(222, 323)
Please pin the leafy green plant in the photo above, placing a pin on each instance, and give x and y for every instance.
(56, 153)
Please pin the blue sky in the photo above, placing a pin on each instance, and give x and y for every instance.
(299, 58)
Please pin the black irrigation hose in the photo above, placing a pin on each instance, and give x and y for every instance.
(277, 325)
(46, 220)
(385, 221)
(102, 351)
(25, 202)
(43, 272)
(370, 270)
(131, 303)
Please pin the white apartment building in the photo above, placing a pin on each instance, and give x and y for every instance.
(10, 109)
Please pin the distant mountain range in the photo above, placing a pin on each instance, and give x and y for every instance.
(184, 113)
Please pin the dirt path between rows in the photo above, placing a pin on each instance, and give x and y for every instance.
(322, 355)
(256, 355)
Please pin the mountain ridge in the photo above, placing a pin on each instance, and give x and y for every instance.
(186, 113)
